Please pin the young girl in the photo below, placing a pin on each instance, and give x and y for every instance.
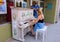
(39, 22)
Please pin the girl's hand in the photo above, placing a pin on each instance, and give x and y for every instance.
(35, 21)
(32, 22)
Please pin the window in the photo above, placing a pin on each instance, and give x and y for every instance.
(25, 0)
(42, 4)
(41, 0)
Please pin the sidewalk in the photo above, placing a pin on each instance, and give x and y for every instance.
(52, 36)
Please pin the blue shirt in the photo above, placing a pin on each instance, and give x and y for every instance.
(35, 11)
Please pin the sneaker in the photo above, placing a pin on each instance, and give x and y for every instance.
(29, 33)
(32, 35)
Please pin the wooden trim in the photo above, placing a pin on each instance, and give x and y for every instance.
(56, 12)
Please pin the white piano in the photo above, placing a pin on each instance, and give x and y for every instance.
(21, 20)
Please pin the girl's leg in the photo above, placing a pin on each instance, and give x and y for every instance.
(32, 30)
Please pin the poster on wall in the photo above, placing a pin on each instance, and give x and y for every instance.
(49, 6)
(3, 7)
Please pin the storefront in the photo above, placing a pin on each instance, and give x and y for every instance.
(49, 13)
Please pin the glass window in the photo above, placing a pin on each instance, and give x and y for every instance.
(25, 0)
(42, 4)
(41, 0)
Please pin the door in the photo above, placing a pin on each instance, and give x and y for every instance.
(49, 10)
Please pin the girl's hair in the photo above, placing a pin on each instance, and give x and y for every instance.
(39, 11)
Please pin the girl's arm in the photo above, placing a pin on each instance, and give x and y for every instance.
(37, 19)
(40, 17)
